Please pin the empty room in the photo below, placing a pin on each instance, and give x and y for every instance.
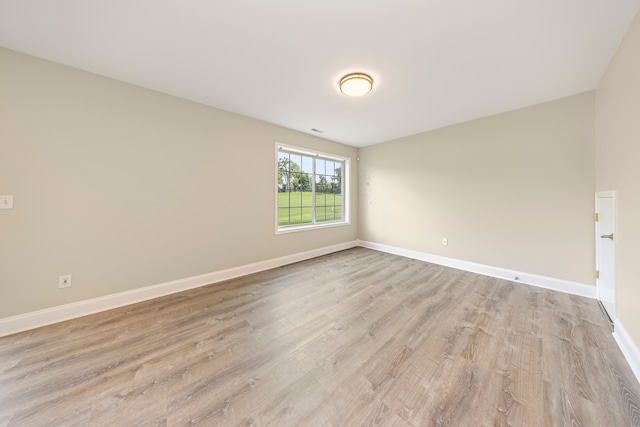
(283, 213)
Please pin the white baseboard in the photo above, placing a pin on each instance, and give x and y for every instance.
(36, 319)
(487, 270)
(628, 347)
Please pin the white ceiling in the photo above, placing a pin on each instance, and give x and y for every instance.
(434, 62)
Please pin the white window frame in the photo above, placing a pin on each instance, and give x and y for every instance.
(345, 189)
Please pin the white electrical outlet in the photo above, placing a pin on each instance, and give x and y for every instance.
(445, 241)
(6, 202)
(64, 281)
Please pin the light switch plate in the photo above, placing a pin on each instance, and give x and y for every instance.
(6, 202)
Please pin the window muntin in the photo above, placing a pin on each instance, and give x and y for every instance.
(310, 189)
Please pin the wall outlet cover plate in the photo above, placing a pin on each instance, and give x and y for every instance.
(6, 202)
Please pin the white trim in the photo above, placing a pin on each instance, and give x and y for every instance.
(308, 152)
(36, 319)
(546, 282)
(628, 347)
(306, 227)
(608, 193)
(346, 190)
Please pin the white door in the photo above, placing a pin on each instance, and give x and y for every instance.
(605, 247)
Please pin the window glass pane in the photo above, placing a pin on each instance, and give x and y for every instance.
(282, 157)
(307, 165)
(283, 216)
(306, 199)
(330, 168)
(321, 184)
(295, 181)
(296, 161)
(297, 201)
(283, 199)
(283, 177)
(307, 215)
(287, 181)
(304, 182)
(294, 216)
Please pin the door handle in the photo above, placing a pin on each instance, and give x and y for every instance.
(607, 236)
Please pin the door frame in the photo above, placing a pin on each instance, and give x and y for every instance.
(606, 194)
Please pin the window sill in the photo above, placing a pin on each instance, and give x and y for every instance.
(296, 228)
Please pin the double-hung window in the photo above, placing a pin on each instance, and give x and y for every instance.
(310, 188)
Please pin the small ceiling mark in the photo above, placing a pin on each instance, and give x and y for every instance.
(316, 130)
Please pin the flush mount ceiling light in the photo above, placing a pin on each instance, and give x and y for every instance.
(356, 84)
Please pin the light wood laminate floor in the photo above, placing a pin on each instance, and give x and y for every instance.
(357, 337)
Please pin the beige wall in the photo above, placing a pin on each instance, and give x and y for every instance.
(513, 190)
(123, 187)
(618, 168)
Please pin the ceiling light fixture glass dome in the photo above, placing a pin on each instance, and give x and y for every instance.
(356, 84)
